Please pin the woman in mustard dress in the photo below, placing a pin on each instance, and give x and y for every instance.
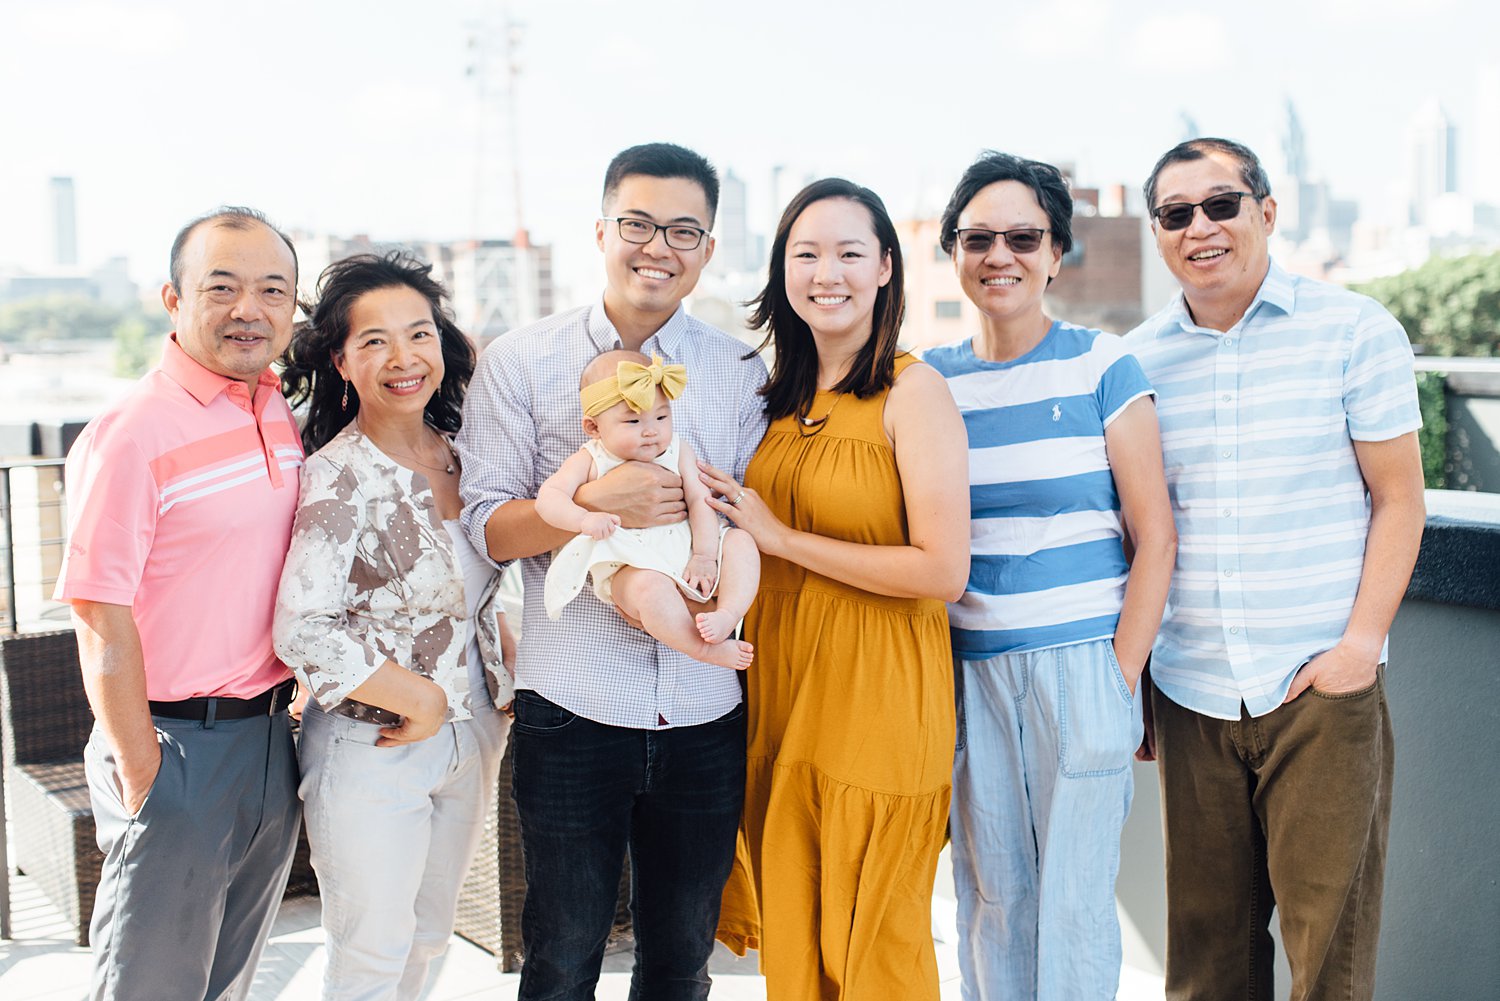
(858, 498)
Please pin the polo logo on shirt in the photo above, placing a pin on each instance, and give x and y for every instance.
(1057, 411)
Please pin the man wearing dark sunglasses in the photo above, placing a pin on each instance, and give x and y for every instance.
(1288, 413)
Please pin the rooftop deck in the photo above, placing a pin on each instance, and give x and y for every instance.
(43, 964)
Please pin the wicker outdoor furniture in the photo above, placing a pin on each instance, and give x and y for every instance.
(46, 724)
(489, 909)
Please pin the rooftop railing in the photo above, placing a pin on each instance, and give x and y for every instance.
(33, 539)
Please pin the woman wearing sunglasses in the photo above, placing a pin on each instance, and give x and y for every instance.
(1052, 634)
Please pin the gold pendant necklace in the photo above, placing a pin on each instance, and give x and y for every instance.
(808, 426)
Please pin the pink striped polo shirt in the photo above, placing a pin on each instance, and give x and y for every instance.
(180, 504)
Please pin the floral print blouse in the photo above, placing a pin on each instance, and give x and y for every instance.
(371, 576)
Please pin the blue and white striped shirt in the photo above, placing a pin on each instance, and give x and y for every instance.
(1047, 567)
(1258, 425)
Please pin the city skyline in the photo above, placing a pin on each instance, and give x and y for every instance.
(341, 118)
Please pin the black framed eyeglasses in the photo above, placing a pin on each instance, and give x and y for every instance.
(678, 236)
(1218, 208)
(1017, 241)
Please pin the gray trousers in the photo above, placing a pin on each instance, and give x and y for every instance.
(191, 883)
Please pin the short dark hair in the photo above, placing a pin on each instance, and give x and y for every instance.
(794, 373)
(230, 217)
(310, 376)
(1251, 172)
(991, 167)
(663, 160)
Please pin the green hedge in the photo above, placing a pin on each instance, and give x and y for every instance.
(1450, 305)
(1432, 396)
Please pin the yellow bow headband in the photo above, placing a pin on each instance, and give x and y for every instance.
(634, 384)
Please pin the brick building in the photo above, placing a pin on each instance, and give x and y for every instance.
(1099, 285)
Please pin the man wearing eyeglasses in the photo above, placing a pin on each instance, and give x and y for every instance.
(1289, 414)
(620, 744)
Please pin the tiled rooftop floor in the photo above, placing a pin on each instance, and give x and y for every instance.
(42, 964)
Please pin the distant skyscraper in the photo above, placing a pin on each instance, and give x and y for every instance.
(64, 224)
(1432, 143)
(1301, 200)
(785, 183)
(1294, 144)
(1487, 136)
(734, 251)
(494, 285)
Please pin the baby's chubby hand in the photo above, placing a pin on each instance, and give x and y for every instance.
(599, 524)
(701, 573)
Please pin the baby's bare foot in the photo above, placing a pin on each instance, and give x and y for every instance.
(715, 626)
(736, 654)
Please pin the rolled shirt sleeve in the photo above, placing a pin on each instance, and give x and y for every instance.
(497, 444)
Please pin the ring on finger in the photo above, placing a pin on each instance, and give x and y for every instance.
(737, 498)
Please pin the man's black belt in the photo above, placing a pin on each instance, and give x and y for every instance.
(267, 703)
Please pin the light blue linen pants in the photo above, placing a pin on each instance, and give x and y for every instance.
(1041, 787)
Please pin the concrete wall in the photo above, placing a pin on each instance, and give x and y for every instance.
(1440, 936)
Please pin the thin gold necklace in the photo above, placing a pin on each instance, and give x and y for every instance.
(440, 467)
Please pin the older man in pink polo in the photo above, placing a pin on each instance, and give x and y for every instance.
(180, 508)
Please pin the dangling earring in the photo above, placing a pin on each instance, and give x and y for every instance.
(344, 403)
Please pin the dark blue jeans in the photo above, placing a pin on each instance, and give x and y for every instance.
(586, 793)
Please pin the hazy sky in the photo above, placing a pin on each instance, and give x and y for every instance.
(358, 117)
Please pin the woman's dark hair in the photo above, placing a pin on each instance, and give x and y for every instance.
(309, 375)
(794, 374)
(1045, 181)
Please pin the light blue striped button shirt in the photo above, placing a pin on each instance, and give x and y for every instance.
(1047, 568)
(1258, 425)
(522, 418)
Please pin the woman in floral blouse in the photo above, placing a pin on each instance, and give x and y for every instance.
(392, 622)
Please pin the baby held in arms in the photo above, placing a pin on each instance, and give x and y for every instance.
(687, 584)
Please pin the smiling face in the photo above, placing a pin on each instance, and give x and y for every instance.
(632, 436)
(234, 313)
(1220, 265)
(1006, 286)
(835, 268)
(645, 282)
(392, 356)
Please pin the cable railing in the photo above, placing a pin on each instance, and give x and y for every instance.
(33, 539)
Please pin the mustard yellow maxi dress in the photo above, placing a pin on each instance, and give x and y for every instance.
(851, 733)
